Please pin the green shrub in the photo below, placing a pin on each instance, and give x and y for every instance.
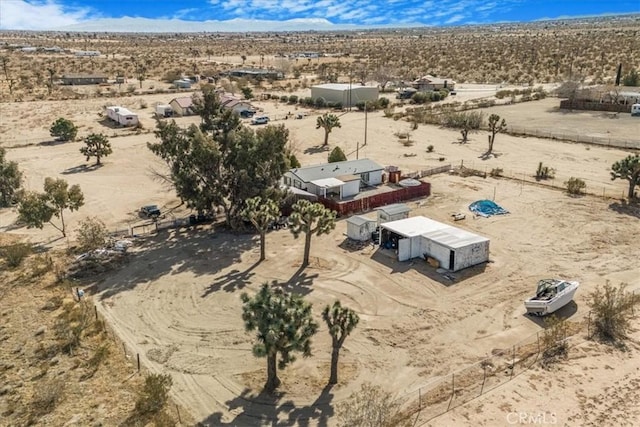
(429, 148)
(496, 172)
(320, 102)
(575, 186)
(612, 308)
(284, 98)
(293, 99)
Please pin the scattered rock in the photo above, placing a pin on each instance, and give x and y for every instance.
(41, 330)
(7, 389)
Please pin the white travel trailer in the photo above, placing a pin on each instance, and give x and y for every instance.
(122, 116)
(635, 110)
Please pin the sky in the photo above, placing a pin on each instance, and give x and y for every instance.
(53, 14)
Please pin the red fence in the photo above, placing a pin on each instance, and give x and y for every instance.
(376, 200)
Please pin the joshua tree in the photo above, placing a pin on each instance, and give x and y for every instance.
(284, 325)
(261, 213)
(629, 169)
(244, 59)
(97, 145)
(310, 218)
(327, 122)
(465, 121)
(341, 322)
(495, 126)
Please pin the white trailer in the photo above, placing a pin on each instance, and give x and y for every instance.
(635, 110)
(122, 116)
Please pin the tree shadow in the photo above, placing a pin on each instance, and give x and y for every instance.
(488, 155)
(53, 142)
(300, 283)
(169, 252)
(82, 168)
(267, 409)
(317, 149)
(626, 208)
(232, 281)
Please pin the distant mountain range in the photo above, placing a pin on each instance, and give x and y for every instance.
(145, 25)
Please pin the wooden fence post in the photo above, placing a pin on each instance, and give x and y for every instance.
(124, 348)
(95, 309)
(178, 411)
(453, 390)
(138, 355)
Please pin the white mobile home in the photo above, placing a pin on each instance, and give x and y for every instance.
(122, 116)
(339, 179)
(421, 237)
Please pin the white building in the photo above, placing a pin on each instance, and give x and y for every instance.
(339, 179)
(346, 94)
(87, 53)
(360, 227)
(421, 237)
(122, 116)
(393, 212)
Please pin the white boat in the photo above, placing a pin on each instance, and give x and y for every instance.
(551, 295)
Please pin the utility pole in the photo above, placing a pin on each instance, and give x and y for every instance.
(357, 149)
(365, 123)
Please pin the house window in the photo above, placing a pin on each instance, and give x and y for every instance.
(364, 177)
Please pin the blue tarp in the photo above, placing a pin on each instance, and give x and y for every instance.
(486, 208)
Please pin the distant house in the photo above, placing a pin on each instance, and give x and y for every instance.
(345, 93)
(430, 82)
(339, 179)
(240, 106)
(83, 79)
(182, 106)
(87, 53)
(256, 73)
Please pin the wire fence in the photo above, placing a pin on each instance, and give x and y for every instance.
(558, 180)
(503, 365)
(130, 355)
(577, 137)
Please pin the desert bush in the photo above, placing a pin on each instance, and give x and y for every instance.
(320, 102)
(92, 234)
(612, 309)
(284, 98)
(47, 396)
(71, 324)
(154, 394)
(370, 406)
(293, 99)
(14, 254)
(575, 186)
(430, 148)
(143, 104)
(496, 172)
(41, 265)
(554, 344)
(383, 102)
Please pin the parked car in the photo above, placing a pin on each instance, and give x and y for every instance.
(260, 120)
(150, 211)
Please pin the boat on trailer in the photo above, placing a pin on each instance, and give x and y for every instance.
(551, 295)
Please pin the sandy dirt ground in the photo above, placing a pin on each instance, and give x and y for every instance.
(178, 301)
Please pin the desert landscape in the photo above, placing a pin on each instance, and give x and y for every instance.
(176, 301)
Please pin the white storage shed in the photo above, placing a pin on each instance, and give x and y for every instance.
(360, 227)
(393, 212)
(345, 93)
(454, 248)
(164, 110)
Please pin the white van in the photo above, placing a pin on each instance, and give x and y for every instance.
(635, 110)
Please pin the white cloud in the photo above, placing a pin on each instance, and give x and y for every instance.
(38, 15)
(454, 19)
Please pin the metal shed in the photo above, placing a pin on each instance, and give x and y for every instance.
(360, 227)
(346, 94)
(393, 212)
(454, 248)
